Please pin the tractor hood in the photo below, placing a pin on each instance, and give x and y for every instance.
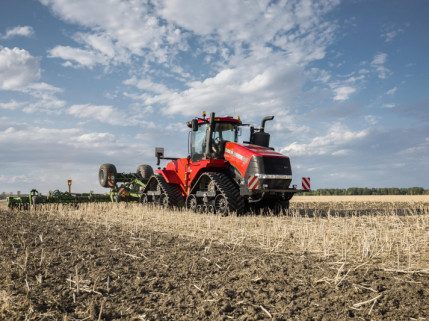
(256, 160)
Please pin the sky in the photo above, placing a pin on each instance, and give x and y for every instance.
(84, 83)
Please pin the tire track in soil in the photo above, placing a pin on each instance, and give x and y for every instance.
(55, 268)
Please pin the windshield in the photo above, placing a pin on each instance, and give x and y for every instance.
(198, 142)
(223, 132)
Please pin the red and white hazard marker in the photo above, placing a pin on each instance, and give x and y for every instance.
(252, 182)
(121, 190)
(306, 183)
(110, 182)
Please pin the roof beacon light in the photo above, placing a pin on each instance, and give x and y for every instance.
(238, 117)
(204, 114)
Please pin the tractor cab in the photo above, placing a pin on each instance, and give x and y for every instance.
(209, 136)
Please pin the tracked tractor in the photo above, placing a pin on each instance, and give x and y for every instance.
(219, 175)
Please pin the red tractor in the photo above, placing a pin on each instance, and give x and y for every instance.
(220, 175)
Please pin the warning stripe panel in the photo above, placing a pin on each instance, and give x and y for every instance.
(252, 182)
(121, 190)
(306, 183)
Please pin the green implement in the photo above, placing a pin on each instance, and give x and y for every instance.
(35, 198)
(124, 187)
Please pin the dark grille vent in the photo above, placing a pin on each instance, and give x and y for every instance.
(277, 165)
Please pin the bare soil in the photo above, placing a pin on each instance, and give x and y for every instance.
(56, 268)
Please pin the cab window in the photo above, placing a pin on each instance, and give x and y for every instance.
(198, 142)
(225, 132)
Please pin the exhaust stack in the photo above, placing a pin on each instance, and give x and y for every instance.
(260, 138)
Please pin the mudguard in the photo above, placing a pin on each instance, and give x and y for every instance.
(170, 176)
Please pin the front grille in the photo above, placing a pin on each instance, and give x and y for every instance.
(270, 166)
(277, 165)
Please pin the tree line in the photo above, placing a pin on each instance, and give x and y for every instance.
(4, 195)
(369, 191)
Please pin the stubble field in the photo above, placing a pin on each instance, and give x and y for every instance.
(330, 258)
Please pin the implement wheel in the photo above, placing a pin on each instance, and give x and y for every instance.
(104, 172)
(145, 171)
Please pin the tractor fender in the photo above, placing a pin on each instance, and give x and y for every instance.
(170, 176)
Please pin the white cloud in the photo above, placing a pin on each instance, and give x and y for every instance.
(109, 115)
(256, 53)
(147, 84)
(371, 119)
(243, 90)
(18, 133)
(100, 42)
(44, 158)
(364, 71)
(55, 144)
(19, 178)
(392, 91)
(388, 105)
(25, 31)
(319, 75)
(341, 152)
(250, 22)
(81, 57)
(93, 140)
(379, 59)
(119, 29)
(18, 69)
(158, 31)
(343, 93)
(390, 35)
(104, 114)
(11, 105)
(378, 64)
(354, 79)
(230, 20)
(421, 148)
(46, 103)
(332, 143)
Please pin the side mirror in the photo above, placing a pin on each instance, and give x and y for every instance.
(159, 153)
(195, 125)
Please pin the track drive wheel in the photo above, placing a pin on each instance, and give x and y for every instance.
(228, 198)
(143, 199)
(170, 195)
(164, 201)
(191, 203)
(221, 206)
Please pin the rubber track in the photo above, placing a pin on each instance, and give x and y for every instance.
(229, 190)
(173, 192)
